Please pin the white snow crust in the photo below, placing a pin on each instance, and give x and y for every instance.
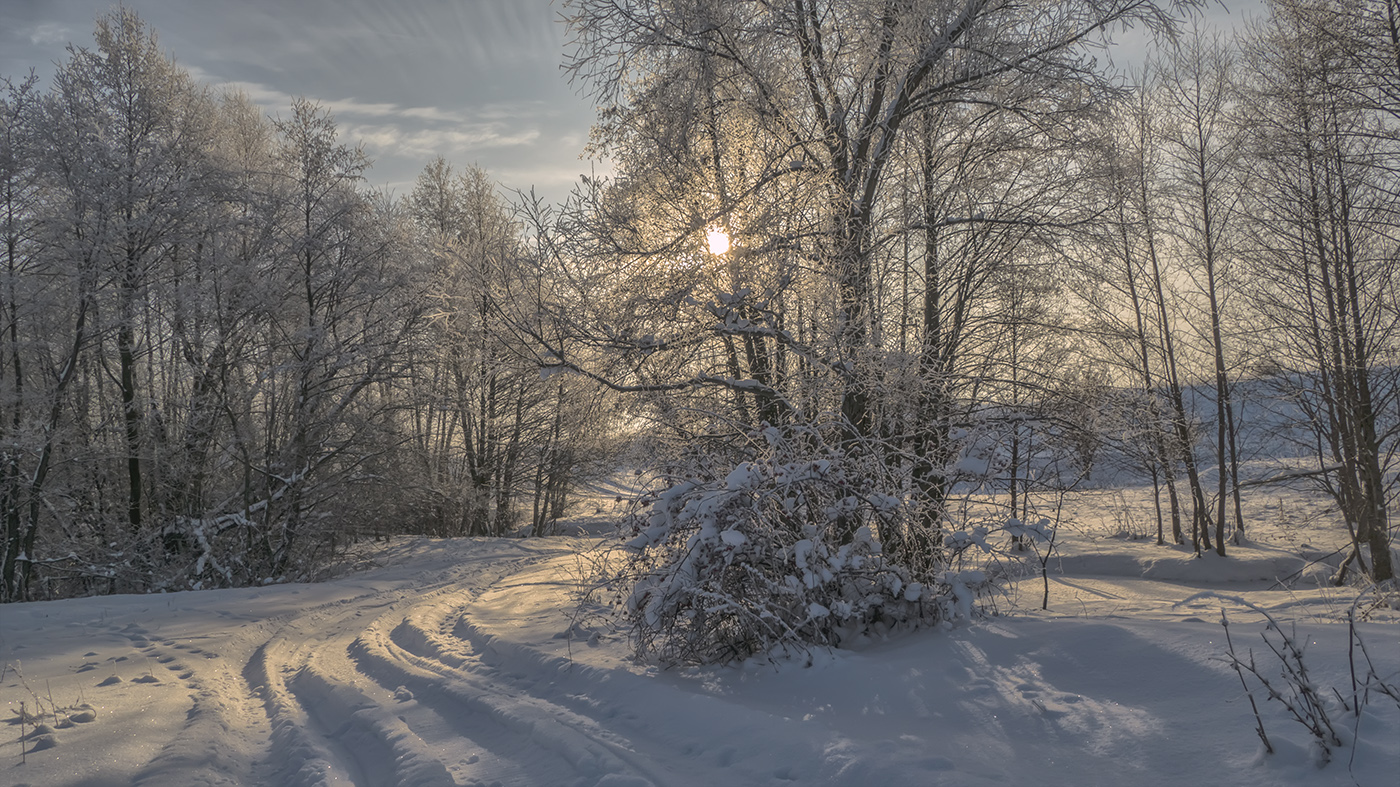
(470, 662)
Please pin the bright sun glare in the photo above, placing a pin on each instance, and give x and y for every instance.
(718, 240)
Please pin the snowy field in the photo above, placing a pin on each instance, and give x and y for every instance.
(470, 662)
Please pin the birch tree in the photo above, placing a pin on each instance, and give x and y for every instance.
(137, 132)
(836, 83)
(483, 400)
(1204, 145)
(1326, 244)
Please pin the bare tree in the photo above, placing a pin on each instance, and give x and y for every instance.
(1118, 296)
(344, 311)
(137, 131)
(33, 400)
(835, 84)
(484, 399)
(1204, 144)
(859, 155)
(1144, 145)
(1324, 234)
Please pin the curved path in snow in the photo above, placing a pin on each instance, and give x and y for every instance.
(382, 678)
(466, 662)
(405, 687)
(451, 667)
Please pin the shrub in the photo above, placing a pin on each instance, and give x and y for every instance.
(780, 554)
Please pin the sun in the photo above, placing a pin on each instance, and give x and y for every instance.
(718, 240)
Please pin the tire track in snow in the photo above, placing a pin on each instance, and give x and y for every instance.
(339, 693)
(301, 757)
(312, 743)
(429, 742)
(447, 668)
(469, 692)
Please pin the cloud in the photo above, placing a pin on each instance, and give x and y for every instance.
(277, 101)
(388, 129)
(272, 100)
(424, 144)
(472, 80)
(353, 107)
(50, 34)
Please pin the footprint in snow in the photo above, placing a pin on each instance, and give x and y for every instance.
(402, 694)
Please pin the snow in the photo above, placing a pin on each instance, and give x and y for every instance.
(459, 662)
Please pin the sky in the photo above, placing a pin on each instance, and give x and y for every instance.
(475, 81)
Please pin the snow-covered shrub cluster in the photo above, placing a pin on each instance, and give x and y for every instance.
(191, 553)
(781, 553)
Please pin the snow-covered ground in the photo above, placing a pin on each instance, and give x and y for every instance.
(470, 662)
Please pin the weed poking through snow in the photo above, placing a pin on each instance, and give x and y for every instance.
(1331, 717)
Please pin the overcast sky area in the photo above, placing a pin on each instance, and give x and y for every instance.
(475, 81)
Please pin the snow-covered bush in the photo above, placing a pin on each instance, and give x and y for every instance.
(781, 553)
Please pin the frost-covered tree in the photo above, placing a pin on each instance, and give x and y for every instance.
(213, 340)
(1324, 224)
(835, 86)
(1143, 282)
(482, 401)
(343, 269)
(1118, 293)
(22, 310)
(1203, 144)
(131, 131)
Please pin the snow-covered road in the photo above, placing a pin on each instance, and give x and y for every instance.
(467, 662)
(369, 680)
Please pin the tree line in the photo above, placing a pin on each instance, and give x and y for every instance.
(224, 358)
